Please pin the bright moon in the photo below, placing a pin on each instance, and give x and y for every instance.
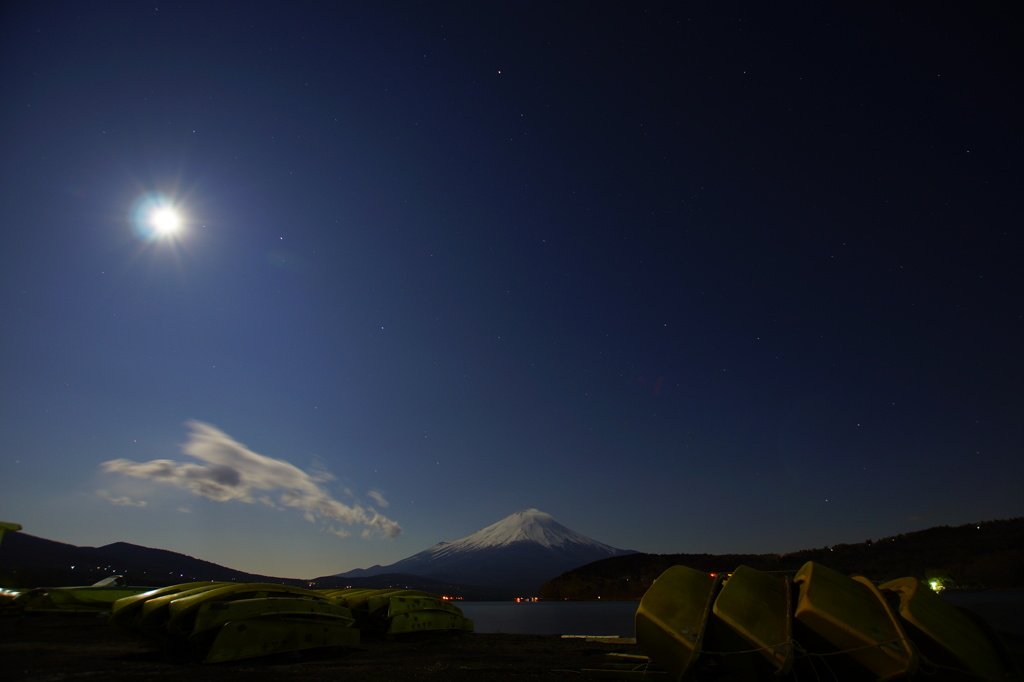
(165, 220)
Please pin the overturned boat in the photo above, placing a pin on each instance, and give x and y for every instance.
(398, 611)
(816, 624)
(216, 621)
(672, 618)
(96, 598)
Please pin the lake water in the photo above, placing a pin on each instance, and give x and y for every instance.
(1002, 609)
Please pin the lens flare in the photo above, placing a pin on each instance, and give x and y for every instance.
(156, 217)
(165, 220)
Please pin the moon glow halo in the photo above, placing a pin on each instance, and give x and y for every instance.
(156, 217)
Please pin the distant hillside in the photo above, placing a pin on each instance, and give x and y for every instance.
(27, 560)
(982, 555)
(978, 555)
(30, 561)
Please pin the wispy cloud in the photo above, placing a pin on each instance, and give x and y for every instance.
(230, 471)
(121, 501)
(378, 497)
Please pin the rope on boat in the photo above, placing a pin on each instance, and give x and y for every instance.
(800, 650)
(747, 651)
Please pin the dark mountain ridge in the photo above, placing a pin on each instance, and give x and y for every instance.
(30, 561)
(981, 555)
(986, 555)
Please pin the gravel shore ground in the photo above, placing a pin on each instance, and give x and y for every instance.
(83, 647)
(53, 648)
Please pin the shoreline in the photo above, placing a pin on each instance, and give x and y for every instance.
(45, 646)
(58, 646)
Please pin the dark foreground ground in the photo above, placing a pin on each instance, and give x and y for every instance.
(48, 648)
(53, 648)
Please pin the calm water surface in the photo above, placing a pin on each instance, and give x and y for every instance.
(1002, 609)
(552, 618)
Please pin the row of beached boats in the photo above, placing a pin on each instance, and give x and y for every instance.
(218, 621)
(229, 621)
(817, 624)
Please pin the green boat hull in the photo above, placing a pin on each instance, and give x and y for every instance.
(821, 624)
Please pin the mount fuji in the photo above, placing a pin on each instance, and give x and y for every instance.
(522, 551)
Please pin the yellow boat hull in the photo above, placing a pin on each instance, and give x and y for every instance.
(672, 617)
(947, 636)
(851, 615)
(753, 619)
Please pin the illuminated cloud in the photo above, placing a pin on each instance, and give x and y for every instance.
(123, 501)
(378, 497)
(230, 471)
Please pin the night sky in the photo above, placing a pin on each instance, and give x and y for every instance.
(689, 277)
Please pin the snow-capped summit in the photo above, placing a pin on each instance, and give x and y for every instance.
(529, 525)
(522, 551)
